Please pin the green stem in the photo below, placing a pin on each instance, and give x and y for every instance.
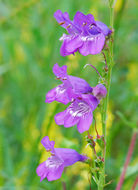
(106, 100)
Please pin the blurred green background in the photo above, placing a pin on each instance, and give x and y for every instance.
(29, 47)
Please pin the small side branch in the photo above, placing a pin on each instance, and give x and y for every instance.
(94, 69)
(106, 66)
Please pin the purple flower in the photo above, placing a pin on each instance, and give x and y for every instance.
(85, 34)
(83, 98)
(53, 167)
(70, 88)
(80, 113)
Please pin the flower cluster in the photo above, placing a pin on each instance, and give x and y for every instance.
(60, 158)
(86, 36)
(82, 97)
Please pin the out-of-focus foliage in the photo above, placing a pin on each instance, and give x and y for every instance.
(29, 47)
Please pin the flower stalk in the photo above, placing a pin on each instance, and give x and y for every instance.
(106, 100)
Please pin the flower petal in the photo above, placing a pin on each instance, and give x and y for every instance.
(42, 171)
(59, 118)
(64, 20)
(50, 96)
(65, 118)
(51, 169)
(92, 44)
(91, 100)
(61, 93)
(55, 173)
(85, 122)
(70, 156)
(83, 21)
(70, 45)
(78, 109)
(49, 145)
(69, 119)
(60, 72)
(104, 29)
(94, 30)
(79, 85)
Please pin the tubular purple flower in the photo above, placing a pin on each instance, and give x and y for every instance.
(53, 167)
(83, 98)
(80, 113)
(85, 34)
(70, 88)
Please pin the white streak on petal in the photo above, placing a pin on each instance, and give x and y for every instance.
(53, 162)
(60, 90)
(79, 110)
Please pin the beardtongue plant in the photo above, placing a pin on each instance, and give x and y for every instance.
(88, 37)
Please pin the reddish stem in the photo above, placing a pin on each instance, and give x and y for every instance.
(129, 154)
(64, 185)
(106, 66)
(90, 183)
(98, 136)
(135, 184)
(93, 68)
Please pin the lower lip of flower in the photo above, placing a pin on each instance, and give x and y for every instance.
(53, 162)
(80, 109)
